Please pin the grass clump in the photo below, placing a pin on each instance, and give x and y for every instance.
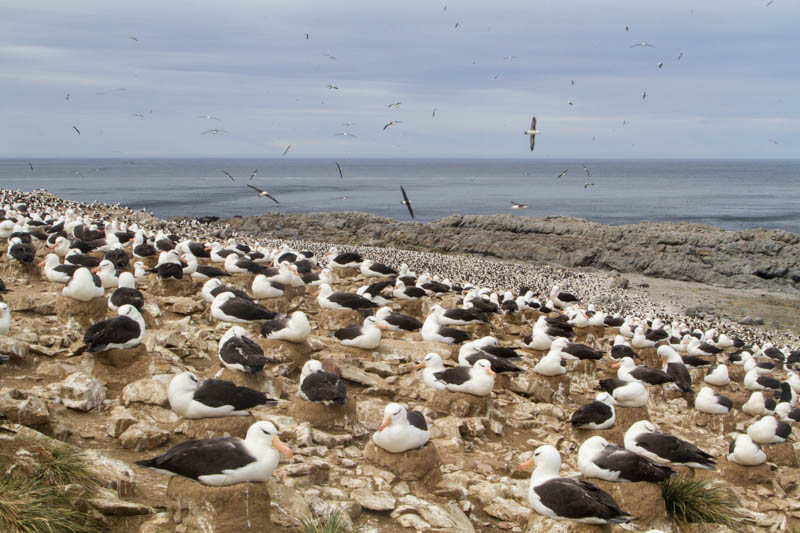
(691, 501)
(63, 465)
(33, 506)
(334, 522)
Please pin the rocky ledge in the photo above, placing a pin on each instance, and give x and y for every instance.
(768, 259)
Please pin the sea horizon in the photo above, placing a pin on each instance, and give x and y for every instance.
(727, 193)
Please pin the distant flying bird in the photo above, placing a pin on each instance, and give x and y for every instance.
(434, 111)
(660, 64)
(67, 97)
(332, 58)
(287, 149)
(133, 38)
(589, 174)
(642, 44)
(407, 201)
(333, 87)
(770, 140)
(396, 104)
(769, 3)
(342, 197)
(562, 173)
(228, 174)
(510, 58)
(214, 132)
(30, 165)
(644, 95)
(570, 102)
(348, 124)
(76, 130)
(588, 184)
(253, 175)
(515, 205)
(139, 116)
(207, 117)
(339, 168)
(263, 194)
(679, 56)
(572, 81)
(626, 27)
(457, 24)
(346, 134)
(532, 132)
(392, 123)
(306, 36)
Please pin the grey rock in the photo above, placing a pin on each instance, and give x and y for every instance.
(82, 392)
(374, 500)
(752, 321)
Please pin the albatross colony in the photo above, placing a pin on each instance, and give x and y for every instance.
(333, 453)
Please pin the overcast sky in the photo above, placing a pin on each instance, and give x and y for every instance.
(733, 93)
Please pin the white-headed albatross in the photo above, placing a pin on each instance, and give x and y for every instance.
(225, 460)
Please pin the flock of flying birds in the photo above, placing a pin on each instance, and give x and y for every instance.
(532, 132)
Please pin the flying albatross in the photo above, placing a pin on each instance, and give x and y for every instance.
(263, 194)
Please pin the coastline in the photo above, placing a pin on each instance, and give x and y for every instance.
(760, 258)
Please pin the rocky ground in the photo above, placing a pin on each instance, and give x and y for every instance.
(114, 406)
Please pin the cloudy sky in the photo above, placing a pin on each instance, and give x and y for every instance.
(140, 76)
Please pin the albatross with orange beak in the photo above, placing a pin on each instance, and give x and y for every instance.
(401, 430)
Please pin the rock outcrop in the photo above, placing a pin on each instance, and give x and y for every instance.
(682, 251)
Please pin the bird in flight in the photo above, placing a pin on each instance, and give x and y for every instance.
(644, 95)
(532, 132)
(207, 117)
(573, 82)
(76, 130)
(342, 197)
(626, 27)
(589, 174)
(396, 104)
(457, 24)
(263, 194)
(348, 124)
(570, 102)
(139, 116)
(214, 132)
(332, 58)
(562, 173)
(407, 201)
(133, 38)
(770, 140)
(680, 56)
(509, 59)
(287, 149)
(392, 123)
(642, 44)
(515, 205)
(339, 168)
(346, 134)
(588, 184)
(228, 174)
(253, 175)
(67, 97)
(660, 64)
(435, 109)
(769, 3)
(30, 165)
(333, 87)
(306, 36)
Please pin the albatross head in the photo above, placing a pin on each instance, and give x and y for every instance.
(394, 412)
(263, 433)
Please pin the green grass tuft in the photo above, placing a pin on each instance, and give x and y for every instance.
(333, 523)
(34, 506)
(64, 465)
(691, 501)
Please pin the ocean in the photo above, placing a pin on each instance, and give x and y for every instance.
(732, 194)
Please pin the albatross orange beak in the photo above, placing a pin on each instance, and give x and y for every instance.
(386, 421)
(40, 263)
(491, 372)
(421, 364)
(96, 269)
(615, 364)
(527, 465)
(281, 447)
